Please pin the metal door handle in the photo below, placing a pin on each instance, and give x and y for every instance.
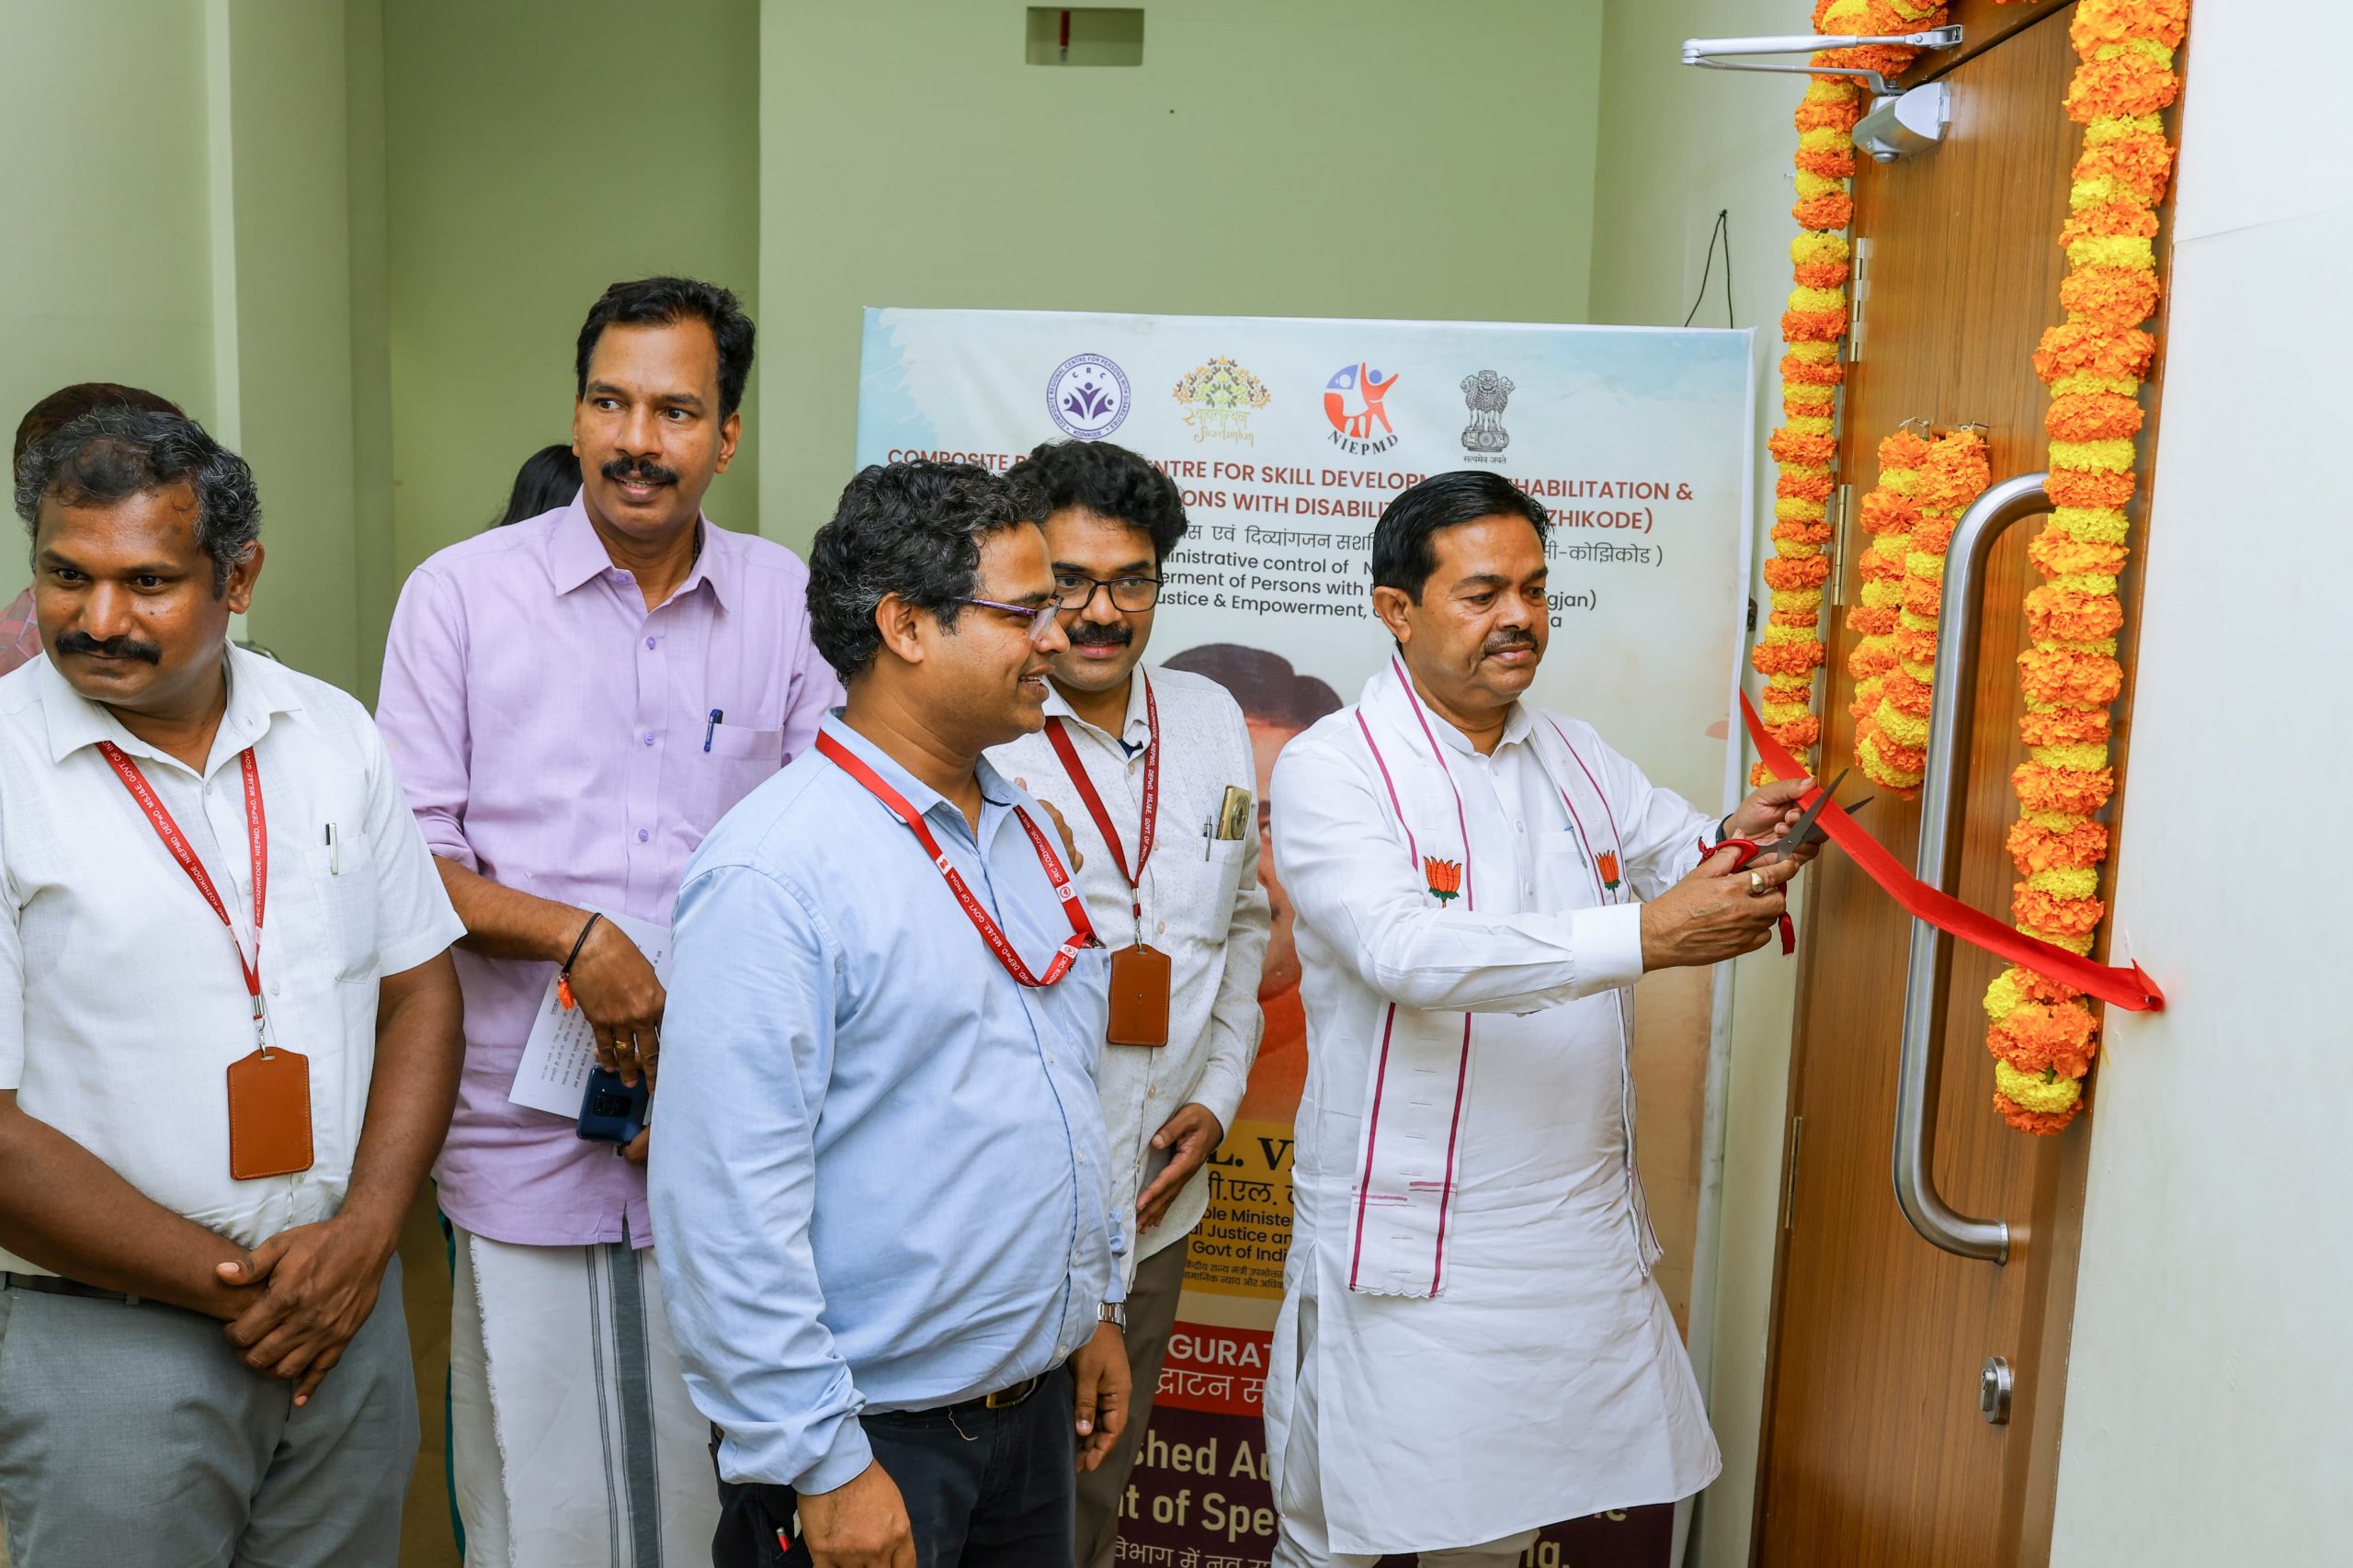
(1951, 698)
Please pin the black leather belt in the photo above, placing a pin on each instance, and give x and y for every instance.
(51, 1285)
(1003, 1399)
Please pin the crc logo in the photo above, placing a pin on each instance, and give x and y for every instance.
(1087, 395)
(1352, 401)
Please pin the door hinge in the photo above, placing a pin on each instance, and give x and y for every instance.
(1858, 291)
(1834, 512)
(1789, 1175)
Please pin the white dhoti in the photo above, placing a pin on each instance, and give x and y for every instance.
(574, 1441)
(1472, 1345)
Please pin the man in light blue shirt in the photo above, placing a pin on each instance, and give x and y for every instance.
(881, 1199)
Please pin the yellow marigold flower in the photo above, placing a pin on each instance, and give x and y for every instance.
(1817, 299)
(1809, 425)
(2093, 583)
(1816, 353)
(2034, 1092)
(1784, 634)
(2123, 386)
(1808, 392)
(2078, 943)
(1824, 139)
(2113, 456)
(2002, 997)
(1792, 509)
(1901, 728)
(2079, 882)
(2076, 760)
(1811, 185)
(1814, 250)
(2057, 821)
(1883, 594)
(1784, 712)
(2099, 647)
(1918, 564)
(2093, 192)
(2112, 250)
(2116, 128)
(2100, 525)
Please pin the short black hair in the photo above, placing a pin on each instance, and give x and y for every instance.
(666, 301)
(1266, 685)
(66, 404)
(112, 453)
(1109, 481)
(549, 478)
(910, 529)
(1402, 556)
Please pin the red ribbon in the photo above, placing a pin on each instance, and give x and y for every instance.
(2131, 989)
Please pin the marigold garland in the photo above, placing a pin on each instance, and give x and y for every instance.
(2043, 1035)
(1912, 516)
(1790, 648)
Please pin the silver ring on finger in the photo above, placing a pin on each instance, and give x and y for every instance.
(1756, 884)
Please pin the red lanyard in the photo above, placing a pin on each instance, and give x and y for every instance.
(1081, 931)
(1059, 736)
(257, 842)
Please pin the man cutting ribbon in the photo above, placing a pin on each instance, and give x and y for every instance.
(888, 1230)
(1472, 1345)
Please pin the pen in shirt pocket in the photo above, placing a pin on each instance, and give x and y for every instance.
(334, 860)
(715, 717)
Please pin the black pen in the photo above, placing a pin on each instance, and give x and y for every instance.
(707, 729)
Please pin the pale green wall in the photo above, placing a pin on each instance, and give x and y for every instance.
(106, 274)
(1314, 158)
(538, 150)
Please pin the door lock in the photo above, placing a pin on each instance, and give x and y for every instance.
(1994, 1386)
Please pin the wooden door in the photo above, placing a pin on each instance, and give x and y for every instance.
(1875, 1453)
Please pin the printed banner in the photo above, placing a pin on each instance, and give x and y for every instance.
(1288, 438)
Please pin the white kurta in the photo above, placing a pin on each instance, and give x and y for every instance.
(1543, 1379)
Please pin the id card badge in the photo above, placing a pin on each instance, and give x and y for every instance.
(269, 1115)
(1139, 997)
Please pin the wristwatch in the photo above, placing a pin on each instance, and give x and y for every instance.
(1113, 1312)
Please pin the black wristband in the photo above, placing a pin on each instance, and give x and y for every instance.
(583, 941)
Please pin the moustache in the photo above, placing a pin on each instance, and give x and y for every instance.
(624, 470)
(1091, 634)
(1504, 642)
(112, 647)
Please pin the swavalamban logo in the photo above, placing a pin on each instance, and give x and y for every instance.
(1087, 395)
(1352, 401)
(1219, 398)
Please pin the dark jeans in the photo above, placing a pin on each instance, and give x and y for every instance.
(983, 1488)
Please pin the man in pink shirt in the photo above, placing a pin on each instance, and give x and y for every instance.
(20, 632)
(573, 702)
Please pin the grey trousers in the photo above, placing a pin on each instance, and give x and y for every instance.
(1151, 1315)
(133, 1434)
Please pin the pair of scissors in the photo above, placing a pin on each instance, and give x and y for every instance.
(1747, 852)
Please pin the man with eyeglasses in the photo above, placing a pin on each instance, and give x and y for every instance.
(888, 1235)
(1153, 771)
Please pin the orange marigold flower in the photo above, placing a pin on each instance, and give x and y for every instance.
(2041, 788)
(1934, 534)
(1886, 511)
(2118, 88)
(1903, 449)
(1825, 215)
(2040, 911)
(1802, 533)
(2141, 164)
(1803, 486)
(1908, 762)
(2067, 616)
(1828, 165)
(2041, 1124)
(2092, 416)
(2040, 987)
(1924, 596)
(2102, 22)
(1915, 646)
(1812, 327)
(2079, 347)
(2091, 488)
(1786, 658)
(1871, 621)
(2065, 678)
(1903, 694)
(1878, 566)
(2112, 296)
(2034, 848)
(1800, 450)
(2065, 727)
(1803, 618)
(1824, 274)
(1806, 572)
(1835, 116)
(1797, 733)
(2040, 1038)
(1796, 370)
(2109, 220)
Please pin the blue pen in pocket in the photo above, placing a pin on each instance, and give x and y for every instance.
(715, 716)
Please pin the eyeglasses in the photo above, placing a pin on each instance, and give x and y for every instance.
(1039, 617)
(1076, 591)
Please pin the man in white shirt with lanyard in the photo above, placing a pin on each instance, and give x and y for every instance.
(201, 1129)
(1472, 1345)
(1153, 774)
